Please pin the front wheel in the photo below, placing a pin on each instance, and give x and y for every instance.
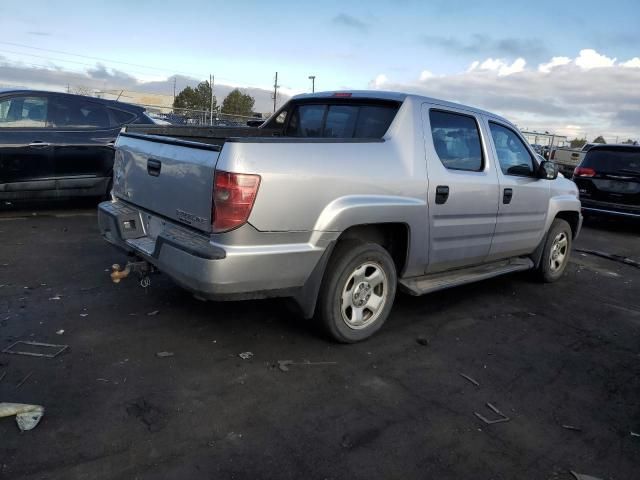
(357, 291)
(557, 248)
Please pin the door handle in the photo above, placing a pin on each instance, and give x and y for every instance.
(39, 144)
(154, 167)
(442, 193)
(507, 195)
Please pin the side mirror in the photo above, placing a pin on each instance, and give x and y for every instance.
(548, 170)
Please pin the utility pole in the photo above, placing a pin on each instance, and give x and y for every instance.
(211, 78)
(275, 92)
(313, 83)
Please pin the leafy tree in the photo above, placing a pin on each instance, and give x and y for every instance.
(238, 103)
(599, 139)
(629, 141)
(578, 142)
(198, 98)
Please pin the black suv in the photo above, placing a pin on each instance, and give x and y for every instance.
(609, 180)
(55, 145)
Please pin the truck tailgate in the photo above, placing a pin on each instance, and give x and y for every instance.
(170, 177)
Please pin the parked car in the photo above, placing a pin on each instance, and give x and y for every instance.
(336, 201)
(568, 158)
(59, 145)
(608, 180)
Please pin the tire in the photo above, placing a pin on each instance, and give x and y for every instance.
(357, 291)
(557, 249)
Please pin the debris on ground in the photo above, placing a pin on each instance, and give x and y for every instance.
(53, 350)
(164, 354)
(571, 427)
(467, 377)
(284, 365)
(154, 313)
(503, 418)
(424, 341)
(610, 256)
(24, 380)
(56, 297)
(60, 332)
(245, 355)
(27, 416)
(580, 476)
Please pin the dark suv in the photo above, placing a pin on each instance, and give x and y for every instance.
(608, 179)
(56, 145)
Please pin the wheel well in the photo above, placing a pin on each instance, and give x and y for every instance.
(572, 218)
(393, 237)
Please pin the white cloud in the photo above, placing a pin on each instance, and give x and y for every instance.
(589, 58)
(499, 65)
(554, 62)
(589, 95)
(633, 63)
(426, 75)
(379, 81)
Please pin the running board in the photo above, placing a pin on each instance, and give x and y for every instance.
(439, 281)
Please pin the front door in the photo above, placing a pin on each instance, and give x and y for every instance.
(463, 188)
(26, 144)
(524, 198)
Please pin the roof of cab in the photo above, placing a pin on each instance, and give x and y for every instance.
(114, 103)
(399, 97)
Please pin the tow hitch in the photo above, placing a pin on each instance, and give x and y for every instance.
(140, 268)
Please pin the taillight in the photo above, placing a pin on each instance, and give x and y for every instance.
(584, 172)
(233, 198)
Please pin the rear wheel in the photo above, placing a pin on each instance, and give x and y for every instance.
(557, 248)
(357, 291)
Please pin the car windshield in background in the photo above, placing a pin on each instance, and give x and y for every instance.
(341, 120)
(614, 160)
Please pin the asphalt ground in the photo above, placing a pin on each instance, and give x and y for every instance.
(561, 361)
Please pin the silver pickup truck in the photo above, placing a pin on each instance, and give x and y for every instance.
(336, 201)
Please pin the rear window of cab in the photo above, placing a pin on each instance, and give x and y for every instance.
(338, 119)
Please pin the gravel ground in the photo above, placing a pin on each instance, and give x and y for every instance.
(396, 406)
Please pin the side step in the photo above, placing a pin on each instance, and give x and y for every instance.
(439, 281)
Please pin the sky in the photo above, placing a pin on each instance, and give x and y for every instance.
(569, 67)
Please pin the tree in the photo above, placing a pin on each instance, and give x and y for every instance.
(578, 142)
(198, 98)
(238, 103)
(599, 139)
(630, 142)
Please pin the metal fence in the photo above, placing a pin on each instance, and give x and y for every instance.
(184, 116)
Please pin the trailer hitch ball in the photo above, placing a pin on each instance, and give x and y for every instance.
(117, 274)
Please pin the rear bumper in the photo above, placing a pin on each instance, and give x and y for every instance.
(607, 208)
(210, 268)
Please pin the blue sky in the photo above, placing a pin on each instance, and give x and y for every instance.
(403, 44)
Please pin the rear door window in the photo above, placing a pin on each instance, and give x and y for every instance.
(24, 112)
(341, 120)
(456, 139)
(79, 113)
(121, 117)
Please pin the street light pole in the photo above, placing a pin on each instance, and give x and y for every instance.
(313, 83)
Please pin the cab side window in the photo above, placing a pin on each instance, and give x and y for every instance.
(456, 139)
(513, 155)
(24, 112)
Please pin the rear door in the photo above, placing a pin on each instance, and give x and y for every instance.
(524, 198)
(463, 188)
(611, 175)
(84, 138)
(26, 152)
